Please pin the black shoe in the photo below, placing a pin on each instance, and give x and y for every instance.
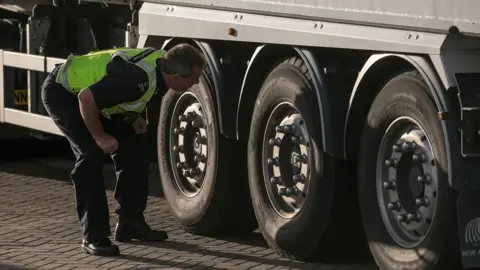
(125, 231)
(100, 247)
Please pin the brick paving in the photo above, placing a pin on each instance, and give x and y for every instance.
(39, 230)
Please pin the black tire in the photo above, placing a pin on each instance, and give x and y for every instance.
(223, 206)
(313, 227)
(406, 96)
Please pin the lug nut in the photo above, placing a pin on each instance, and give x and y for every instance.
(285, 129)
(290, 191)
(178, 149)
(191, 116)
(299, 178)
(296, 140)
(420, 158)
(422, 202)
(391, 163)
(389, 185)
(202, 140)
(198, 123)
(178, 131)
(181, 165)
(408, 146)
(413, 217)
(273, 161)
(424, 179)
(187, 174)
(401, 218)
(275, 180)
(275, 142)
(182, 118)
(282, 191)
(397, 148)
(194, 171)
(300, 158)
(394, 206)
(200, 158)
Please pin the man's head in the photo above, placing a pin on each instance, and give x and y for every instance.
(181, 67)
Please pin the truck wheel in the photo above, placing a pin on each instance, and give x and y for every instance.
(203, 174)
(291, 179)
(407, 206)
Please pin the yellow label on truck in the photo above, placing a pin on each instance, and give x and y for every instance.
(20, 97)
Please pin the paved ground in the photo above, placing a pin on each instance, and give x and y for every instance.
(38, 228)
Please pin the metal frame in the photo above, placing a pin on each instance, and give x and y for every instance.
(17, 117)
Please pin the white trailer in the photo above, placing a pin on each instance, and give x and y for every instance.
(320, 122)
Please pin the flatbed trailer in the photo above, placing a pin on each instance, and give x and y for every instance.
(320, 122)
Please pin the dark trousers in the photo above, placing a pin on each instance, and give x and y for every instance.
(131, 163)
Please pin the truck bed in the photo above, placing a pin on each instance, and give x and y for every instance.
(439, 16)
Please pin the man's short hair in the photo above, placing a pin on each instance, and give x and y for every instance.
(181, 59)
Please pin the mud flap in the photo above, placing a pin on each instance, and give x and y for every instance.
(468, 211)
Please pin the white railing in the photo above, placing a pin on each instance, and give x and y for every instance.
(21, 118)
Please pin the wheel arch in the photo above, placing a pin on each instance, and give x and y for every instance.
(257, 71)
(213, 63)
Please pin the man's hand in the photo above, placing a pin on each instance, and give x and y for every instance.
(140, 125)
(107, 143)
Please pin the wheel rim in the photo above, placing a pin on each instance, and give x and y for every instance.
(189, 144)
(286, 159)
(407, 182)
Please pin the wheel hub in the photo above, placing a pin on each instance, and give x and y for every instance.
(189, 144)
(406, 182)
(286, 159)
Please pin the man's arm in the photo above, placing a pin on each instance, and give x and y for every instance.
(90, 113)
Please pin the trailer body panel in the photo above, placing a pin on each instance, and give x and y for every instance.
(430, 15)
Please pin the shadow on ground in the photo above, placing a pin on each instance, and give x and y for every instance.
(5, 266)
(181, 246)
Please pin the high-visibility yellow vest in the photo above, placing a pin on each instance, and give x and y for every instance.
(79, 72)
